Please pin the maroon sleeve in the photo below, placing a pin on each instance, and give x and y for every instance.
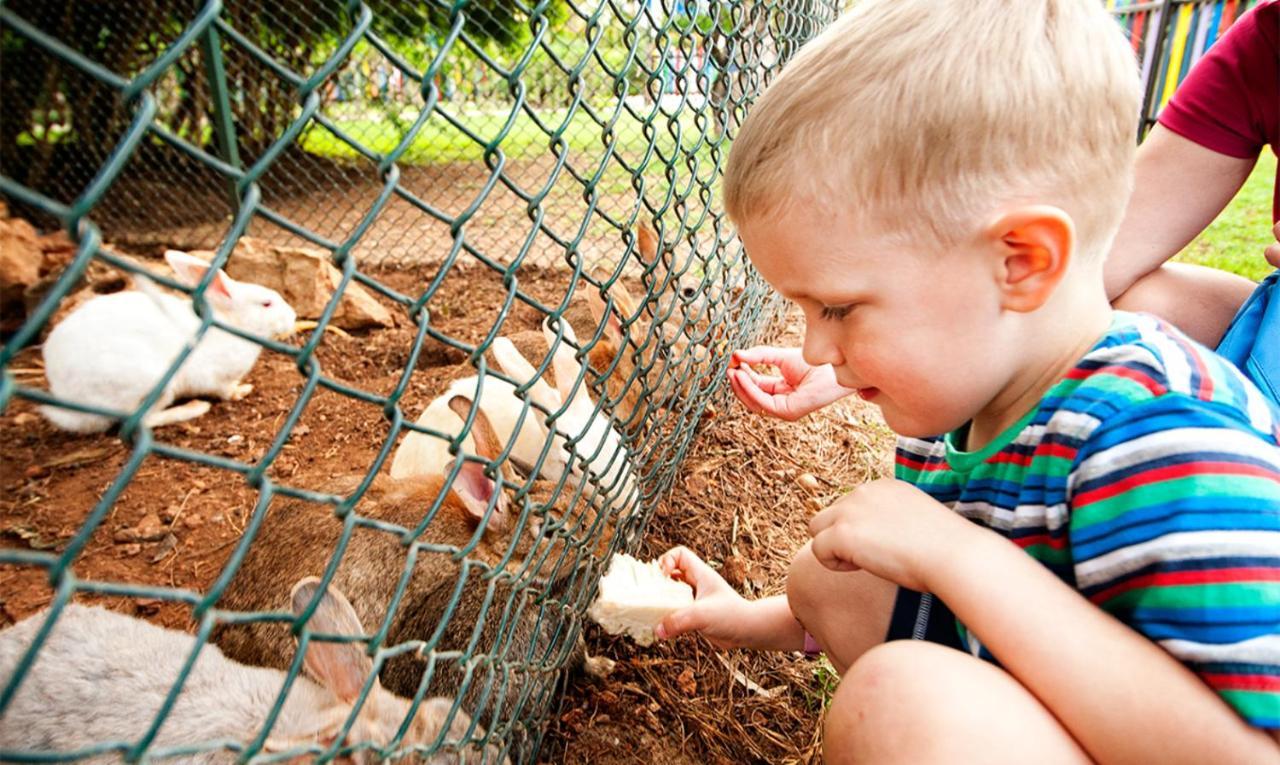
(1230, 101)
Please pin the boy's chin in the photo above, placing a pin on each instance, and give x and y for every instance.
(909, 426)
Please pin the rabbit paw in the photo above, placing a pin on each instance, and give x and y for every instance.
(239, 391)
(174, 414)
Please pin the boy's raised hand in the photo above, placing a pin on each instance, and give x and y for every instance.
(891, 529)
(799, 390)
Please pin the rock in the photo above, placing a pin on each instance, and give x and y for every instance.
(36, 471)
(149, 529)
(20, 259)
(25, 419)
(814, 504)
(307, 279)
(734, 571)
(598, 667)
(193, 521)
(56, 242)
(808, 481)
(686, 682)
(166, 546)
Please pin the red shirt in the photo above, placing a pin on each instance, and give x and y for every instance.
(1230, 102)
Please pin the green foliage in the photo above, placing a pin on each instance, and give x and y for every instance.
(503, 22)
(825, 681)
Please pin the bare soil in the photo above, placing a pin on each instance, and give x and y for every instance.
(737, 501)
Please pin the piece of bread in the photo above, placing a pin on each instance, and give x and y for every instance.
(634, 597)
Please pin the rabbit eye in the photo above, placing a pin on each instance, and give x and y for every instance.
(688, 293)
(266, 304)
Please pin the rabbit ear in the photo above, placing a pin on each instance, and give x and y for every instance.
(472, 486)
(190, 270)
(482, 432)
(646, 244)
(321, 728)
(341, 667)
(475, 490)
(519, 369)
(562, 359)
(601, 314)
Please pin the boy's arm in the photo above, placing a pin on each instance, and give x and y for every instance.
(1123, 697)
(1169, 627)
(724, 617)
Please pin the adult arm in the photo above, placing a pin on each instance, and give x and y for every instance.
(1179, 188)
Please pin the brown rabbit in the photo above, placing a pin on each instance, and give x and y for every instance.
(449, 601)
(627, 339)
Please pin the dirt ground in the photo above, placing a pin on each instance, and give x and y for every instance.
(738, 500)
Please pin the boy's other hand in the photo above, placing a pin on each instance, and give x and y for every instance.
(891, 529)
(799, 390)
(717, 611)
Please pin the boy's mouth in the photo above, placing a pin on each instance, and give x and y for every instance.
(866, 394)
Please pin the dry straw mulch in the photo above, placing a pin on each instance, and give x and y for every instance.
(742, 501)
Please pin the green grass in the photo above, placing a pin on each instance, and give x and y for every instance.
(1235, 240)
(438, 141)
(825, 681)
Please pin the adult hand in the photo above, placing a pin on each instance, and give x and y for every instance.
(1273, 252)
(799, 390)
(891, 529)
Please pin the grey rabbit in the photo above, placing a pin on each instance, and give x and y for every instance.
(298, 539)
(101, 677)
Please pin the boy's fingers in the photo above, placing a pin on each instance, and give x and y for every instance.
(823, 548)
(756, 399)
(767, 383)
(670, 560)
(676, 624)
(821, 520)
(683, 564)
(760, 354)
(735, 384)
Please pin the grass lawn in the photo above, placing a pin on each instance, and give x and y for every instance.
(1235, 241)
(439, 141)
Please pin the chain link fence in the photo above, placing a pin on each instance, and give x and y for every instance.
(569, 107)
(475, 169)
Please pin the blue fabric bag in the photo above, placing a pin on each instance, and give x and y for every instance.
(1252, 342)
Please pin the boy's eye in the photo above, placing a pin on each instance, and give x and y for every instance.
(835, 312)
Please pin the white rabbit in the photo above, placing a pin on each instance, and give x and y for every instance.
(102, 677)
(113, 350)
(420, 454)
(595, 439)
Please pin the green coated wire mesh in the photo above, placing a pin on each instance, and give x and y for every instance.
(472, 170)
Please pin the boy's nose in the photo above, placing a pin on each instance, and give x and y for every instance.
(820, 347)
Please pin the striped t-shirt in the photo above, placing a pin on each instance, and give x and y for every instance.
(1148, 479)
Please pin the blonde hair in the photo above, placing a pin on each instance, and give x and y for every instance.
(946, 109)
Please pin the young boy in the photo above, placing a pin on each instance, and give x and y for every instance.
(935, 184)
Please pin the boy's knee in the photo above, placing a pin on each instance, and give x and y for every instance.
(885, 699)
(804, 585)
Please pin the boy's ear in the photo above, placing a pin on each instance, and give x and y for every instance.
(1034, 247)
